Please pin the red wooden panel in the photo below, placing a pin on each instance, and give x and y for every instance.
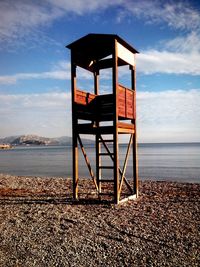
(83, 98)
(121, 110)
(126, 102)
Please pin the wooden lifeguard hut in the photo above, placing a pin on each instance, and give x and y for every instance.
(106, 116)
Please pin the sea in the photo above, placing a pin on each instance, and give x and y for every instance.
(158, 162)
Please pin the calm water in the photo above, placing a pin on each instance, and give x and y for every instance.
(177, 162)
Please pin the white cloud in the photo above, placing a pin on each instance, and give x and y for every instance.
(44, 101)
(185, 44)
(80, 7)
(153, 61)
(7, 79)
(47, 114)
(180, 55)
(13, 79)
(61, 71)
(169, 116)
(22, 20)
(179, 14)
(177, 56)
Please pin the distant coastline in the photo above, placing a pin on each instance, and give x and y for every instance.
(35, 140)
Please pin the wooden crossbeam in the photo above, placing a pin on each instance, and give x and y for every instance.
(88, 163)
(120, 171)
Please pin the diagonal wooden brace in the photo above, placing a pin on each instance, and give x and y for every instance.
(125, 163)
(120, 171)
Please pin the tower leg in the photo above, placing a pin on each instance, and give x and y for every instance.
(116, 168)
(75, 167)
(135, 165)
(98, 163)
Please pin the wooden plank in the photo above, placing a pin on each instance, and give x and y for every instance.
(122, 113)
(126, 125)
(125, 54)
(106, 154)
(122, 88)
(98, 162)
(135, 155)
(97, 144)
(106, 167)
(125, 102)
(83, 98)
(106, 141)
(126, 131)
(115, 121)
(74, 131)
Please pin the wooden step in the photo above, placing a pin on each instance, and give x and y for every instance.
(106, 154)
(106, 141)
(106, 167)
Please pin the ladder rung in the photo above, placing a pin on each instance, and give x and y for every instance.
(106, 141)
(106, 154)
(106, 167)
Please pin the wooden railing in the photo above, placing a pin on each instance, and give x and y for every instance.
(92, 107)
(126, 102)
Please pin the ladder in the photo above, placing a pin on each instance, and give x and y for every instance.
(109, 154)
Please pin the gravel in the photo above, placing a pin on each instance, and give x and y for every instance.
(40, 225)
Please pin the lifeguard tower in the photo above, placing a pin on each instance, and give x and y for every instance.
(106, 116)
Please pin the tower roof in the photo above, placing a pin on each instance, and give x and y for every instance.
(98, 45)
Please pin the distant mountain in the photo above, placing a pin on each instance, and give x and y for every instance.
(32, 140)
(64, 140)
(38, 140)
(8, 140)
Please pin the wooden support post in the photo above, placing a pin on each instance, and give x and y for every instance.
(98, 147)
(75, 166)
(74, 131)
(115, 123)
(135, 159)
(98, 162)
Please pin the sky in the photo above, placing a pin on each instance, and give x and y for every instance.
(35, 90)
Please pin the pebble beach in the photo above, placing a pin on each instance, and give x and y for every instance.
(40, 225)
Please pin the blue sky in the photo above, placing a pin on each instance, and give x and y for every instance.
(35, 65)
